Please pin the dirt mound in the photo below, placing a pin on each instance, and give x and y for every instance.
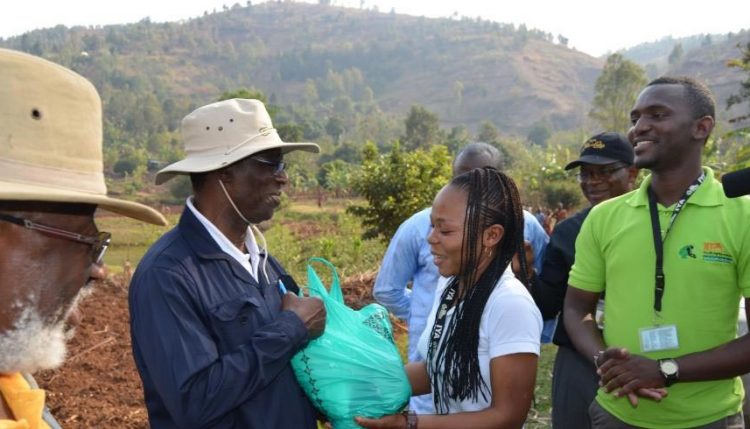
(99, 386)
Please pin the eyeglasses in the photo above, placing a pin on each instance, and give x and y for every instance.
(278, 166)
(99, 244)
(603, 174)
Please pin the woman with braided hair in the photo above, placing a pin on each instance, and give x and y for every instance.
(482, 343)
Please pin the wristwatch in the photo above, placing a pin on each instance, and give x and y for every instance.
(669, 370)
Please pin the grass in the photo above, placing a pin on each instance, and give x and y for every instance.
(539, 415)
(301, 230)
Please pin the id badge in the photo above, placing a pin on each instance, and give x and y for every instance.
(659, 338)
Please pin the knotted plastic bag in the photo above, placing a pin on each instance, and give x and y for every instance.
(354, 368)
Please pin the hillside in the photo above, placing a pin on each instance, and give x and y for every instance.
(704, 57)
(343, 76)
(709, 63)
(337, 60)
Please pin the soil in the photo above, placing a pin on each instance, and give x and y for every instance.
(99, 387)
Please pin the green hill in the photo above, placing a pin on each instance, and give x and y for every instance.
(336, 60)
(342, 76)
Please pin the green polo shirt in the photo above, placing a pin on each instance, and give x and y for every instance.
(707, 270)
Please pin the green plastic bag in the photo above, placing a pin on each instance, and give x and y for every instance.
(354, 368)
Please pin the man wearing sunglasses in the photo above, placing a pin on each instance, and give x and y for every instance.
(212, 325)
(605, 171)
(51, 183)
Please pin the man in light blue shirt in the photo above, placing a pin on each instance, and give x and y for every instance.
(408, 259)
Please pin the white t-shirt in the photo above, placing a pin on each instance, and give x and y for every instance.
(511, 323)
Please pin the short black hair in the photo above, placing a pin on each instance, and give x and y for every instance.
(697, 93)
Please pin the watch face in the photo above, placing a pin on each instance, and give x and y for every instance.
(669, 367)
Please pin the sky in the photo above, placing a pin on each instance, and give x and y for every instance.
(595, 27)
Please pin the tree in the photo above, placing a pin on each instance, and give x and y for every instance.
(397, 185)
(488, 133)
(744, 94)
(251, 93)
(676, 55)
(290, 132)
(422, 128)
(334, 128)
(742, 158)
(539, 134)
(615, 93)
(335, 176)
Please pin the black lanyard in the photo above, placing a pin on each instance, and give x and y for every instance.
(659, 242)
(446, 301)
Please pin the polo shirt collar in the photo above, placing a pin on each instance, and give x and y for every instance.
(709, 193)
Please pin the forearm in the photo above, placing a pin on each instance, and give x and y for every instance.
(397, 299)
(726, 361)
(486, 419)
(579, 318)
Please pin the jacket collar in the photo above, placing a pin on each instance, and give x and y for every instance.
(198, 238)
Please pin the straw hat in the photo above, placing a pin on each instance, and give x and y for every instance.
(51, 137)
(225, 132)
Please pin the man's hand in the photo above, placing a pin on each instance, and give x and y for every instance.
(630, 375)
(310, 310)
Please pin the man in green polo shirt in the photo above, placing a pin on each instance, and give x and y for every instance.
(674, 259)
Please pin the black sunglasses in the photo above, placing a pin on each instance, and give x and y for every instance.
(278, 166)
(99, 244)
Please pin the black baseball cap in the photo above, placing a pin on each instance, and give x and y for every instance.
(605, 148)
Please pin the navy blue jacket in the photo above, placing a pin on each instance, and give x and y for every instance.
(550, 286)
(211, 344)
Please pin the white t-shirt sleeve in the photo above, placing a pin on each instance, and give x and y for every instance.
(513, 321)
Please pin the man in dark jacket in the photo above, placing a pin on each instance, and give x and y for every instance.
(606, 171)
(212, 324)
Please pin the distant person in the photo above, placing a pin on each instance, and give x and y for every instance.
(408, 259)
(51, 183)
(212, 325)
(482, 339)
(539, 215)
(559, 215)
(674, 259)
(605, 171)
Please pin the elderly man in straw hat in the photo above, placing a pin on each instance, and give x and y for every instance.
(51, 183)
(213, 326)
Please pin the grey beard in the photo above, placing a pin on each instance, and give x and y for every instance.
(33, 344)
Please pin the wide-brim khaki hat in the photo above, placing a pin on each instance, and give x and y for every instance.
(222, 133)
(51, 137)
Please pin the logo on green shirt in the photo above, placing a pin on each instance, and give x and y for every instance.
(687, 252)
(715, 252)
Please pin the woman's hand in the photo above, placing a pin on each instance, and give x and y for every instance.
(392, 421)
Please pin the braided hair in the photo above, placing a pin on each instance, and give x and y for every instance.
(492, 199)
